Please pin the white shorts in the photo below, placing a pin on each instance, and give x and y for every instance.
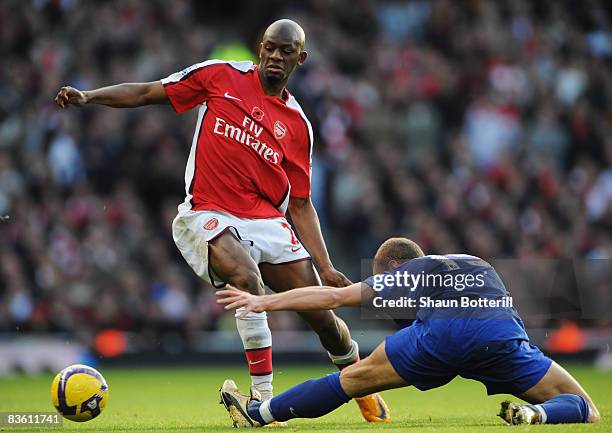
(269, 240)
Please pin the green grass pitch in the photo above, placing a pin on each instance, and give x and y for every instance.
(186, 400)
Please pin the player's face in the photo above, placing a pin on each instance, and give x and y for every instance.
(279, 56)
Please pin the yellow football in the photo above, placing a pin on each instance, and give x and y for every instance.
(79, 393)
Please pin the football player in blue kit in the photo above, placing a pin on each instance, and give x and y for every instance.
(464, 326)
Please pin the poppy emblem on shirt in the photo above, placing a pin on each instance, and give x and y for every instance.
(280, 130)
(211, 224)
(257, 114)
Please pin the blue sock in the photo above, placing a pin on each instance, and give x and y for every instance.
(311, 399)
(565, 409)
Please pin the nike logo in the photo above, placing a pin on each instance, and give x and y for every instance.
(293, 412)
(256, 362)
(293, 250)
(383, 412)
(227, 95)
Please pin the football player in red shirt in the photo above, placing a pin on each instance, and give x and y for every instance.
(250, 162)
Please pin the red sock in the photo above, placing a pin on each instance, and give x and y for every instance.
(260, 361)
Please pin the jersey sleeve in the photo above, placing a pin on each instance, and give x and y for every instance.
(191, 86)
(298, 164)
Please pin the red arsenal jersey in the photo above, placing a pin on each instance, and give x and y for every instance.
(250, 152)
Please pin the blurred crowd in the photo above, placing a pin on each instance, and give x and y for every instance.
(470, 126)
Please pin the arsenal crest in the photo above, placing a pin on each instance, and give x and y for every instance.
(280, 130)
(211, 224)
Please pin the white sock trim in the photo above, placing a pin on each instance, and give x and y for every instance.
(348, 358)
(264, 411)
(263, 384)
(542, 411)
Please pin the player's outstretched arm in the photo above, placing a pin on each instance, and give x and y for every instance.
(126, 95)
(304, 299)
(306, 222)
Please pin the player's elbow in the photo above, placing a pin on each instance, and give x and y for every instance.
(153, 93)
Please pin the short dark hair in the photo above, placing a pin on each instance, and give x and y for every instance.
(399, 249)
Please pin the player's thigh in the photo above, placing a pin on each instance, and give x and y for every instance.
(233, 264)
(374, 373)
(281, 277)
(558, 381)
(286, 276)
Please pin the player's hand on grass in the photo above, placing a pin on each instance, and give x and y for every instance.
(234, 298)
(70, 96)
(334, 278)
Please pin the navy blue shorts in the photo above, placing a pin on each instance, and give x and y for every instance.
(430, 355)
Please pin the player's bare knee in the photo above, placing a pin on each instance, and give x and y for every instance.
(249, 281)
(361, 379)
(354, 381)
(594, 415)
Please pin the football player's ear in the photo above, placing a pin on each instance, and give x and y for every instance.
(302, 58)
(392, 264)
